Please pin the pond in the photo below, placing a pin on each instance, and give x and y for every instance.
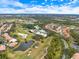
(23, 46)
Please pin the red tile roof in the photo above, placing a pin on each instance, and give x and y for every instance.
(2, 47)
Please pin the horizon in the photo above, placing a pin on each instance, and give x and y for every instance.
(36, 14)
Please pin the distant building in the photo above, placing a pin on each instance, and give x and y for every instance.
(39, 32)
(59, 30)
(43, 33)
(23, 35)
(66, 32)
(63, 30)
(36, 27)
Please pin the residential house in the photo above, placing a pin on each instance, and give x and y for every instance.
(66, 31)
(2, 47)
(11, 41)
(23, 35)
(39, 32)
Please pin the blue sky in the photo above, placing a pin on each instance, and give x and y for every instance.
(39, 6)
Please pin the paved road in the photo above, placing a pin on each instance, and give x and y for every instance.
(65, 44)
(50, 27)
(65, 47)
(45, 53)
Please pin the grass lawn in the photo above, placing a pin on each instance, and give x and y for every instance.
(18, 55)
(37, 53)
(29, 37)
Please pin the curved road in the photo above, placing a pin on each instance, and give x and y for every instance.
(65, 47)
(50, 27)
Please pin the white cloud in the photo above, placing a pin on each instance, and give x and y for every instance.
(11, 2)
(72, 2)
(65, 9)
(44, 10)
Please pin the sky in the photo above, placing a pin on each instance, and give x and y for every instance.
(39, 6)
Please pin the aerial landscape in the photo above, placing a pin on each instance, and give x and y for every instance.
(39, 36)
(39, 29)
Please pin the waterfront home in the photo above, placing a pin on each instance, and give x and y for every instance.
(8, 38)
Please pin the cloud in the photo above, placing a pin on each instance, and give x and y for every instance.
(43, 10)
(25, 8)
(73, 1)
(14, 3)
(69, 10)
